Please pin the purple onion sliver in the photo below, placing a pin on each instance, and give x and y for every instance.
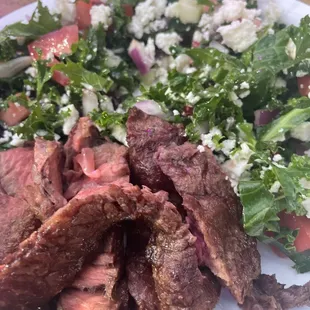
(264, 117)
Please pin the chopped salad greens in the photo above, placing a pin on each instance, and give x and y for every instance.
(237, 80)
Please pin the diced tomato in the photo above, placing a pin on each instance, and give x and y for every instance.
(55, 43)
(206, 8)
(303, 85)
(61, 78)
(14, 114)
(83, 14)
(128, 10)
(302, 242)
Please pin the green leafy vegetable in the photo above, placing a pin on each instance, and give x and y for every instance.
(80, 77)
(41, 22)
(284, 123)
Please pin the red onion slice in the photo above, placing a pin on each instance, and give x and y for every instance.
(150, 107)
(143, 58)
(264, 116)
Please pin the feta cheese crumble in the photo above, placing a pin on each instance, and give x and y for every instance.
(89, 102)
(165, 40)
(71, 119)
(67, 9)
(101, 14)
(275, 187)
(239, 35)
(290, 49)
(188, 11)
(302, 132)
(201, 148)
(207, 139)
(17, 140)
(146, 12)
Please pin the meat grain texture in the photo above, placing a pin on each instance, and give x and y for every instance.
(112, 243)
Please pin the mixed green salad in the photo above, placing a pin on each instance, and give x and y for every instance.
(235, 78)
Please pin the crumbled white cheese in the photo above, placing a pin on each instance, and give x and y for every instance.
(234, 98)
(290, 49)
(89, 102)
(182, 63)
(302, 132)
(146, 12)
(64, 99)
(112, 60)
(106, 104)
(101, 14)
(201, 148)
(275, 187)
(192, 99)
(304, 183)
(67, 10)
(207, 139)
(244, 94)
(306, 205)
(271, 12)
(237, 165)
(277, 158)
(56, 137)
(230, 122)
(229, 11)
(219, 47)
(301, 73)
(165, 40)
(228, 146)
(71, 119)
(40, 133)
(176, 112)
(239, 35)
(244, 85)
(156, 26)
(33, 72)
(17, 140)
(188, 11)
(280, 83)
(197, 37)
(120, 134)
(6, 137)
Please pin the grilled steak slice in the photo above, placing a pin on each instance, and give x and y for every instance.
(45, 195)
(141, 284)
(51, 257)
(145, 133)
(16, 170)
(105, 270)
(103, 164)
(268, 294)
(214, 209)
(17, 223)
(84, 134)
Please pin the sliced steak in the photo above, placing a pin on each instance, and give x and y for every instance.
(268, 294)
(17, 223)
(214, 210)
(141, 284)
(84, 134)
(103, 164)
(45, 194)
(16, 170)
(105, 270)
(52, 256)
(79, 300)
(145, 133)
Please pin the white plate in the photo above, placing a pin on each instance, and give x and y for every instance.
(292, 12)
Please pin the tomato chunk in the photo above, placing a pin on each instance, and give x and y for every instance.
(83, 14)
(14, 114)
(54, 43)
(303, 85)
(292, 221)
